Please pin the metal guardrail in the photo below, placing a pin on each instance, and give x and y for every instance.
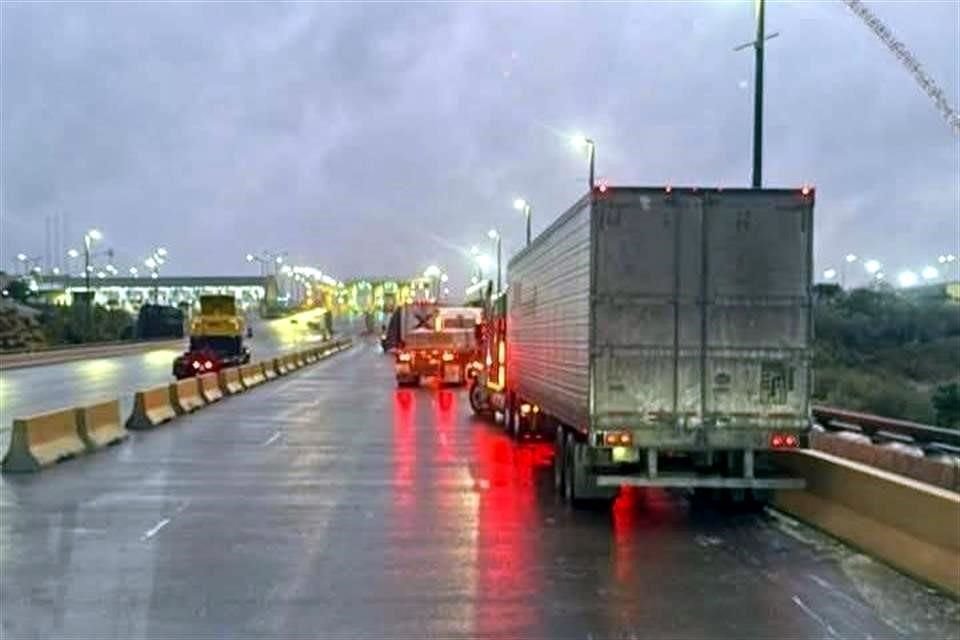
(87, 345)
(878, 428)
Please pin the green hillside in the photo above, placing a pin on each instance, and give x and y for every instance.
(890, 354)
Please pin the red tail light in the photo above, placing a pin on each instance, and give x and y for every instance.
(784, 441)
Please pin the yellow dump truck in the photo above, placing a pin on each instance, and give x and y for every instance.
(216, 338)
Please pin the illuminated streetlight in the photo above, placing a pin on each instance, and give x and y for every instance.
(851, 258)
(433, 271)
(73, 253)
(906, 278)
(581, 142)
(22, 257)
(929, 273)
(872, 266)
(161, 252)
(94, 234)
(829, 274)
(133, 271)
(279, 259)
(150, 263)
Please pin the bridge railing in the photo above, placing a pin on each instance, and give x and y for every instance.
(880, 429)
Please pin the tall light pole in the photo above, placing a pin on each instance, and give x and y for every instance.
(580, 142)
(88, 239)
(493, 234)
(522, 205)
(758, 44)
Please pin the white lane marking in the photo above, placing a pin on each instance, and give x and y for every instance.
(152, 532)
(272, 439)
(813, 614)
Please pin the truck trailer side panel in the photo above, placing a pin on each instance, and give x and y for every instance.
(548, 330)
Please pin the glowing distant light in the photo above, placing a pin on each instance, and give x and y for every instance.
(519, 204)
(101, 275)
(872, 266)
(941, 259)
(830, 274)
(150, 263)
(929, 273)
(433, 271)
(279, 259)
(806, 189)
(73, 253)
(951, 257)
(444, 277)
(161, 252)
(22, 257)
(492, 234)
(907, 278)
(580, 141)
(851, 258)
(879, 275)
(133, 271)
(154, 275)
(56, 271)
(94, 234)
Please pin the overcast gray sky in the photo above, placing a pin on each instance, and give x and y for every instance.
(377, 139)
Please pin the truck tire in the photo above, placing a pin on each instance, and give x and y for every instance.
(476, 395)
(559, 454)
(576, 484)
(508, 414)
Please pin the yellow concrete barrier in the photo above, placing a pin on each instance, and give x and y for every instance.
(185, 395)
(913, 526)
(268, 371)
(291, 360)
(230, 381)
(281, 366)
(151, 407)
(42, 440)
(251, 375)
(100, 425)
(210, 387)
(309, 356)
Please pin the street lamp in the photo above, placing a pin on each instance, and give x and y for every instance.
(133, 271)
(829, 274)
(580, 142)
(929, 273)
(907, 278)
(494, 235)
(872, 266)
(522, 205)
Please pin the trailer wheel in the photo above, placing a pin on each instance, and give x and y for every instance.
(559, 454)
(508, 414)
(476, 398)
(576, 483)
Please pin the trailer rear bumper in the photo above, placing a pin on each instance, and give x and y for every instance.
(694, 480)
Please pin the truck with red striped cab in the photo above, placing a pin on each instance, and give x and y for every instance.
(660, 336)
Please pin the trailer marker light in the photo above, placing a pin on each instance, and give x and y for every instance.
(208, 365)
(403, 357)
(784, 441)
(447, 356)
(196, 365)
(525, 409)
(618, 438)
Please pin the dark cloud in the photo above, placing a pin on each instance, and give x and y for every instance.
(381, 138)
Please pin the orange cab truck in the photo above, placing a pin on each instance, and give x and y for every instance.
(431, 340)
(661, 337)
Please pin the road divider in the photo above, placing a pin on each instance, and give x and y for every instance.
(42, 440)
(251, 375)
(151, 407)
(268, 371)
(910, 525)
(210, 387)
(45, 439)
(100, 425)
(185, 395)
(230, 381)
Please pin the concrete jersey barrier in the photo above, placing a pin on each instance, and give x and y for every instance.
(251, 375)
(210, 387)
(185, 395)
(230, 383)
(151, 407)
(42, 440)
(913, 526)
(100, 425)
(268, 371)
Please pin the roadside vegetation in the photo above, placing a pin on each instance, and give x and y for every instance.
(884, 352)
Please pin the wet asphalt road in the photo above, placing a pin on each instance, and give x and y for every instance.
(329, 504)
(32, 390)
